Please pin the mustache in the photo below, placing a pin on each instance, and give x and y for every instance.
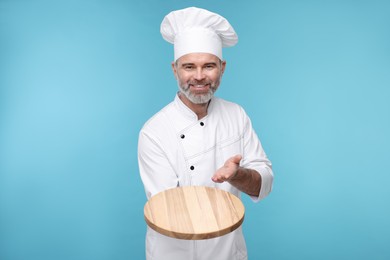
(199, 82)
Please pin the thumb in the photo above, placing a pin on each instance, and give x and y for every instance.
(236, 159)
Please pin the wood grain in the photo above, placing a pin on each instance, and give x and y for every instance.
(194, 212)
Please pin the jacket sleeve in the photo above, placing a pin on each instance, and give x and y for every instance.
(156, 171)
(255, 158)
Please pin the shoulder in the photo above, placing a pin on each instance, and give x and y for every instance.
(158, 120)
(228, 108)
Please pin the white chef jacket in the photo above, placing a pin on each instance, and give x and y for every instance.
(176, 149)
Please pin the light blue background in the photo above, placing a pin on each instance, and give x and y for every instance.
(79, 78)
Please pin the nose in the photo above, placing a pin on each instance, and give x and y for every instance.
(199, 75)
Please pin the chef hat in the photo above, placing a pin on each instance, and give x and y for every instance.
(197, 30)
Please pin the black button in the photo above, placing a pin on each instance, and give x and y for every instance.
(182, 136)
(201, 123)
(192, 167)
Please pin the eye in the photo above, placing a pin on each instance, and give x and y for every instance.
(188, 67)
(210, 66)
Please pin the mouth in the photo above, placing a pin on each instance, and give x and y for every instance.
(199, 88)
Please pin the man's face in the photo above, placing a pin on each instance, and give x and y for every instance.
(198, 76)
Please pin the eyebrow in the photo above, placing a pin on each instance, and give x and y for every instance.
(192, 64)
(187, 64)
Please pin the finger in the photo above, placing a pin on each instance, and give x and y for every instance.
(236, 159)
(218, 178)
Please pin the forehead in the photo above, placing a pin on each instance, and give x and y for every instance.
(198, 58)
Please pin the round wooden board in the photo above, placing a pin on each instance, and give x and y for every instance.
(194, 212)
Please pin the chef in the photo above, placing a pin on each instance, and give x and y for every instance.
(198, 138)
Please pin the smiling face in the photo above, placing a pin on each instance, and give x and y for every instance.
(198, 76)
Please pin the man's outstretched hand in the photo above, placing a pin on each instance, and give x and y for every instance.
(228, 170)
(246, 180)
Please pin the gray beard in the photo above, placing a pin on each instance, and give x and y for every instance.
(197, 99)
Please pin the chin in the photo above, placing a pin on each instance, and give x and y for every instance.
(197, 98)
(200, 99)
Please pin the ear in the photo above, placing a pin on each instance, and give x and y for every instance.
(223, 66)
(174, 69)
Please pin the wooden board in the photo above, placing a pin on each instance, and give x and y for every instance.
(194, 212)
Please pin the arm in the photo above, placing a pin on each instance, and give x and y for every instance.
(156, 171)
(244, 179)
(247, 169)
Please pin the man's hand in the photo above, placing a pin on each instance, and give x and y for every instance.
(244, 179)
(228, 170)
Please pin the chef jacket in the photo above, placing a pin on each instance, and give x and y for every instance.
(176, 148)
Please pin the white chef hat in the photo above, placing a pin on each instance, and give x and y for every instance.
(197, 30)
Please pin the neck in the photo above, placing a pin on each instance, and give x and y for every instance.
(199, 109)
